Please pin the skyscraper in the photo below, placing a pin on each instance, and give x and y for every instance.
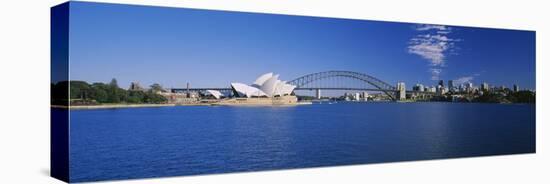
(418, 87)
(401, 91)
(485, 87)
(451, 86)
(516, 88)
(365, 96)
(469, 87)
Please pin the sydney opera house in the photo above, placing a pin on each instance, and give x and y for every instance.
(266, 90)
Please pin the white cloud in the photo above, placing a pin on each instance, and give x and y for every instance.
(426, 27)
(432, 44)
(436, 72)
(463, 80)
(431, 47)
(466, 79)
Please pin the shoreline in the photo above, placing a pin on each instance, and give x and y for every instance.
(117, 106)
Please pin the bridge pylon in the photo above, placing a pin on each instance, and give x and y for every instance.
(318, 94)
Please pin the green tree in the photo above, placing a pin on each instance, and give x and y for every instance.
(113, 83)
(79, 90)
(156, 88)
(135, 96)
(99, 92)
(489, 98)
(522, 97)
(153, 98)
(102, 93)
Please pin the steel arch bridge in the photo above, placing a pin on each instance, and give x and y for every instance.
(318, 81)
(312, 82)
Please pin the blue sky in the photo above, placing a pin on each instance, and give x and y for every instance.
(173, 46)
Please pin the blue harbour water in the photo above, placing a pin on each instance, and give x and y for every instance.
(188, 140)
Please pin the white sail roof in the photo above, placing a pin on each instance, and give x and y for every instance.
(215, 93)
(260, 80)
(246, 90)
(266, 85)
(282, 88)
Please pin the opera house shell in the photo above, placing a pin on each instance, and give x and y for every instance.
(266, 90)
(267, 85)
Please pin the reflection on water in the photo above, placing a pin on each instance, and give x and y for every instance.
(171, 141)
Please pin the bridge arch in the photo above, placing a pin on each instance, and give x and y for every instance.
(377, 83)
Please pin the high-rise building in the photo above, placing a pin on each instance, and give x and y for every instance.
(418, 87)
(318, 93)
(440, 90)
(346, 96)
(485, 87)
(401, 91)
(365, 96)
(516, 88)
(441, 83)
(469, 87)
(451, 86)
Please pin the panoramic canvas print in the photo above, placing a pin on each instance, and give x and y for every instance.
(143, 91)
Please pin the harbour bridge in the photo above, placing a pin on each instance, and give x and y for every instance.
(331, 80)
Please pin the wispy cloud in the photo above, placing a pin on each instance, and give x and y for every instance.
(433, 44)
(426, 27)
(465, 79)
(436, 72)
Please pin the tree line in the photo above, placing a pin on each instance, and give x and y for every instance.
(498, 96)
(83, 93)
(507, 96)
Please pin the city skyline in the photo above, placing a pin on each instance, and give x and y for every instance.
(173, 46)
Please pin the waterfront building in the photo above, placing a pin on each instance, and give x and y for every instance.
(267, 85)
(469, 87)
(401, 91)
(516, 88)
(181, 98)
(266, 90)
(216, 94)
(357, 96)
(433, 89)
(485, 87)
(418, 87)
(365, 96)
(318, 94)
(451, 86)
(440, 90)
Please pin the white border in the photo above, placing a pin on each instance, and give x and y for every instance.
(24, 90)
